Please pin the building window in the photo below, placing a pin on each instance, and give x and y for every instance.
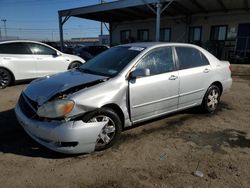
(194, 34)
(143, 35)
(219, 32)
(125, 36)
(165, 34)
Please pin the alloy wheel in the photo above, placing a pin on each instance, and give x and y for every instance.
(108, 131)
(213, 99)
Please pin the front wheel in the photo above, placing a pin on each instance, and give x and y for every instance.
(211, 99)
(74, 65)
(110, 132)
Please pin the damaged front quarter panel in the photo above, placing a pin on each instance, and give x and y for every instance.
(53, 134)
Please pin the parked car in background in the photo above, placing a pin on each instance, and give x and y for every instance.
(88, 52)
(21, 60)
(86, 109)
(66, 48)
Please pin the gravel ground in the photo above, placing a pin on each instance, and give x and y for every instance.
(160, 153)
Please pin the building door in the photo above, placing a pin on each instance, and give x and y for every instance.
(243, 38)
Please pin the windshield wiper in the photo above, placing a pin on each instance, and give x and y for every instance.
(90, 71)
(86, 70)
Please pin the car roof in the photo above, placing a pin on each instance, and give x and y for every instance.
(18, 41)
(156, 44)
(12, 41)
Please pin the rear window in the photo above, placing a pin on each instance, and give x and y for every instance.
(14, 48)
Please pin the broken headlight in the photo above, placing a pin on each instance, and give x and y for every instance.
(56, 109)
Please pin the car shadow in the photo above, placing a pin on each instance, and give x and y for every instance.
(13, 139)
(21, 82)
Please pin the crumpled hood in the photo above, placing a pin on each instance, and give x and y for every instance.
(42, 89)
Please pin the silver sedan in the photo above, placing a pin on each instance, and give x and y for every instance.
(85, 109)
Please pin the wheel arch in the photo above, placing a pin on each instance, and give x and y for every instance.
(11, 73)
(219, 85)
(76, 61)
(118, 110)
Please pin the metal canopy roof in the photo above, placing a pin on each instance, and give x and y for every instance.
(127, 10)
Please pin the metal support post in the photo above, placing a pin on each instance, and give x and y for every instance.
(158, 22)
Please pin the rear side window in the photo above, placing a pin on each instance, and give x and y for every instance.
(189, 57)
(14, 48)
(39, 49)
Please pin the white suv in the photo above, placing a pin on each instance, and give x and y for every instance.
(21, 60)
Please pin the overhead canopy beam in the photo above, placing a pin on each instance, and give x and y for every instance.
(195, 2)
(149, 6)
(106, 6)
(246, 4)
(120, 14)
(222, 5)
(142, 12)
(65, 19)
(180, 8)
(134, 13)
(166, 6)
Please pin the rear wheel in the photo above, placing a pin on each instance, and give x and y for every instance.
(110, 132)
(211, 99)
(5, 78)
(75, 64)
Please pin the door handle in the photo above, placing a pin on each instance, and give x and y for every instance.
(7, 58)
(173, 77)
(206, 70)
(39, 58)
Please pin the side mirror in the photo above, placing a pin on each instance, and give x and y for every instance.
(55, 54)
(140, 73)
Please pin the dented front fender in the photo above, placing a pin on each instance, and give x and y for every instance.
(67, 137)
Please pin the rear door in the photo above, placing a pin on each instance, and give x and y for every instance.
(156, 94)
(195, 75)
(47, 60)
(17, 57)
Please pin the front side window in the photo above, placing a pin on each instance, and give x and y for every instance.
(143, 35)
(158, 61)
(111, 62)
(189, 57)
(14, 48)
(218, 33)
(39, 49)
(165, 35)
(194, 34)
(125, 36)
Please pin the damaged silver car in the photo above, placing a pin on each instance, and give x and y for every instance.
(85, 109)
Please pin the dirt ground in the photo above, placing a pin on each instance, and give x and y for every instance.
(161, 153)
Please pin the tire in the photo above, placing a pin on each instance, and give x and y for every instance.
(211, 99)
(105, 140)
(74, 64)
(5, 78)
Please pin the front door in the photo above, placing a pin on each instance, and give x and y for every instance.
(156, 94)
(47, 60)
